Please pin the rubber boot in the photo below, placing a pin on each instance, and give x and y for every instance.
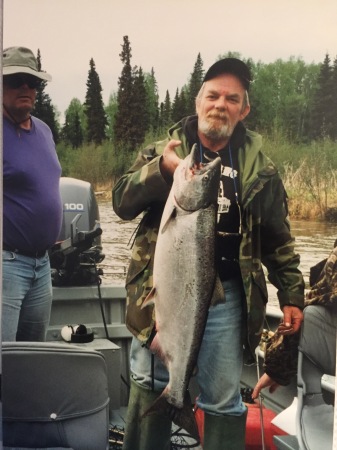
(225, 432)
(145, 433)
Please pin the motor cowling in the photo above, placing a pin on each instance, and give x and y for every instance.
(78, 250)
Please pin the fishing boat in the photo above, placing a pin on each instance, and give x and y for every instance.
(80, 375)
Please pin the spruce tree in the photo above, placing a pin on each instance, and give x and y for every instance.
(334, 101)
(179, 106)
(166, 112)
(111, 112)
(73, 129)
(124, 116)
(94, 108)
(175, 106)
(43, 108)
(322, 105)
(140, 117)
(194, 85)
(152, 100)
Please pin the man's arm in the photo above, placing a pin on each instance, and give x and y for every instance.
(148, 181)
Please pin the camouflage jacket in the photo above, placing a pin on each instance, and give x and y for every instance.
(266, 233)
(281, 352)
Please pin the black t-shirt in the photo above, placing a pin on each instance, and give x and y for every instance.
(228, 214)
(228, 217)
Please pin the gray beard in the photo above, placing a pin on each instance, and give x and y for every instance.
(215, 134)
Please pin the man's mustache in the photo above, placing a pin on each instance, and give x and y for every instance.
(218, 116)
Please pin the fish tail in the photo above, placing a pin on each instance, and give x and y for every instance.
(182, 417)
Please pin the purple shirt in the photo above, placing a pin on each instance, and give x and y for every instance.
(32, 206)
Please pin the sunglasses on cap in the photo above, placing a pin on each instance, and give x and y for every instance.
(17, 80)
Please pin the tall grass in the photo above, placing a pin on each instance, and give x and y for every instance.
(99, 165)
(309, 171)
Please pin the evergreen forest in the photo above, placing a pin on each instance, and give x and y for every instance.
(293, 105)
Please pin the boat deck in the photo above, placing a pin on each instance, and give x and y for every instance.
(103, 310)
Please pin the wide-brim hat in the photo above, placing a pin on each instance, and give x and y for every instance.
(233, 66)
(21, 60)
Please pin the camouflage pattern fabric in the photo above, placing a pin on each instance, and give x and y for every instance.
(266, 233)
(282, 352)
(324, 291)
(280, 358)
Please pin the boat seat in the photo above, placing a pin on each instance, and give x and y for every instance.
(315, 417)
(54, 397)
(286, 442)
(328, 383)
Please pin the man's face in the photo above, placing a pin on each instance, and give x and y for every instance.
(19, 93)
(221, 106)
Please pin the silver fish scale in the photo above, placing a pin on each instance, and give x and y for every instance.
(184, 275)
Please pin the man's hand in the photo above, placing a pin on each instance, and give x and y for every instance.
(264, 382)
(169, 160)
(292, 319)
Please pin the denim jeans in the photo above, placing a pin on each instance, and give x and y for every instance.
(220, 357)
(26, 297)
(318, 337)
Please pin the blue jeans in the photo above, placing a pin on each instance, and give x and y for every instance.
(219, 362)
(26, 297)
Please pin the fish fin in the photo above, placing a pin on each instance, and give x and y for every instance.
(183, 417)
(150, 299)
(168, 214)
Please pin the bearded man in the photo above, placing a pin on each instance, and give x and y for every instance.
(252, 229)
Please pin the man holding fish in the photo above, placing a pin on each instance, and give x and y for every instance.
(215, 210)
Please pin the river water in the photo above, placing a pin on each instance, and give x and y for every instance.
(313, 241)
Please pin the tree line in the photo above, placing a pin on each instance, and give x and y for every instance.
(291, 97)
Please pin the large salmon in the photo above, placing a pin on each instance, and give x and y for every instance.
(184, 280)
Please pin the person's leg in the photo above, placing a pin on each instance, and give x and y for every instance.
(148, 379)
(16, 280)
(36, 306)
(317, 355)
(141, 363)
(318, 337)
(219, 371)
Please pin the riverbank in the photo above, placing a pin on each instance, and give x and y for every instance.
(299, 207)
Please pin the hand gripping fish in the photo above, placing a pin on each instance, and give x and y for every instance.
(184, 280)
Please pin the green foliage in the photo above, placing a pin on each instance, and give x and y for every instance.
(140, 117)
(179, 106)
(124, 116)
(194, 85)
(43, 108)
(293, 105)
(281, 96)
(111, 112)
(96, 164)
(137, 103)
(334, 101)
(152, 99)
(94, 109)
(165, 113)
(309, 171)
(288, 97)
(324, 120)
(73, 131)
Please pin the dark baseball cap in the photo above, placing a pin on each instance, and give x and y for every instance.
(230, 65)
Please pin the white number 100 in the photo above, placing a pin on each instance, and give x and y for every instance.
(74, 206)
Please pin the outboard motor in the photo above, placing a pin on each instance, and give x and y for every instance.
(78, 249)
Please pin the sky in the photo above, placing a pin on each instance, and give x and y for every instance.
(165, 35)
